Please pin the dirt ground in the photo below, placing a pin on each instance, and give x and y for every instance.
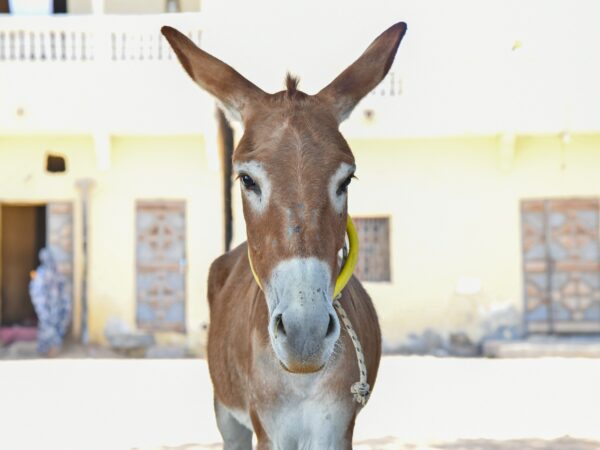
(419, 403)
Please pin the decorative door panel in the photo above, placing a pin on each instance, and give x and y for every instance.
(59, 239)
(561, 261)
(161, 264)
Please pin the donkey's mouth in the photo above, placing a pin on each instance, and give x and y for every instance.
(301, 368)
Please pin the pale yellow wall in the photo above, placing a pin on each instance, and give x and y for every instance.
(455, 213)
(152, 168)
(454, 210)
(146, 168)
(453, 204)
(23, 179)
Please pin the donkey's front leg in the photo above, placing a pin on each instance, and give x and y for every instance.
(235, 435)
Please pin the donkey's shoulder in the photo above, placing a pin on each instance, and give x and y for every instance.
(222, 269)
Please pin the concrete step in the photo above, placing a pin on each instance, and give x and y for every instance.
(544, 346)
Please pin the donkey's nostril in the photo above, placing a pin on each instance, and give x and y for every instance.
(279, 328)
(331, 326)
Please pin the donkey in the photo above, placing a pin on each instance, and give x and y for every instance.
(280, 365)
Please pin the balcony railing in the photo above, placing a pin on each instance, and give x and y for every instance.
(89, 38)
(65, 39)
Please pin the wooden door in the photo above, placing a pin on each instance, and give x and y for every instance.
(161, 264)
(561, 263)
(23, 235)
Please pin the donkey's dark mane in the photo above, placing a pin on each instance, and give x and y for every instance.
(291, 84)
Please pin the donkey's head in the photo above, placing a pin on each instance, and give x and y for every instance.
(294, 168)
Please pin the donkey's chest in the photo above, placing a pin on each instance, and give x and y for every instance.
(308, 411)
(295, 421)
(316, 423)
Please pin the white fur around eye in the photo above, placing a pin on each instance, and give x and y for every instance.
(342, 172)
(258, 201)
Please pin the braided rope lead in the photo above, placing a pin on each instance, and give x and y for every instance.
(361, 389)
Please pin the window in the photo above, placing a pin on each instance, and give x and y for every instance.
(55, 164)
(374, 256)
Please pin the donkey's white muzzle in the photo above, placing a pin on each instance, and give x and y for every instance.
(303, 325)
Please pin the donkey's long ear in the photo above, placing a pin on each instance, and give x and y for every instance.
(364, 74)
(234, 92)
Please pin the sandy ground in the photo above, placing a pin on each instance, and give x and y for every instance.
(419, 403)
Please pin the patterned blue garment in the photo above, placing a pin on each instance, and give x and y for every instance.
(51, 304)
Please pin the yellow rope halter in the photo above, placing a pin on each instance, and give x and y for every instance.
(349, 265)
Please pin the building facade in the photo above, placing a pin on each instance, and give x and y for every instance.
(478, 162)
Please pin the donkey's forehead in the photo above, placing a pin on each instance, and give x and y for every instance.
(293, 129)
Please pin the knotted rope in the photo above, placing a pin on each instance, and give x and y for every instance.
(361, 389)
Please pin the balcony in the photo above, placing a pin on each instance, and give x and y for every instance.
(91, 74)
(116, 74)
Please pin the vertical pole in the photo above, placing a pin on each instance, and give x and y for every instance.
(1, 262)
(85, 186)
(225, 143)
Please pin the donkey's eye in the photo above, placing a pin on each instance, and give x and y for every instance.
(344, 185)
(249, 183)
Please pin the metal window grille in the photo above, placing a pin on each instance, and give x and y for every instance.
(374, 257)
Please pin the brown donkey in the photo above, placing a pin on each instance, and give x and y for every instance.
(278, 362)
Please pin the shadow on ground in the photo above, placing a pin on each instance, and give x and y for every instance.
(565, 443)
(390, 443)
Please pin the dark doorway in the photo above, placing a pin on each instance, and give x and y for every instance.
(60, 6)
(23, 230)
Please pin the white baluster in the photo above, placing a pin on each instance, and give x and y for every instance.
(142, 45)
(59, 44)
(52, 45)
(130, 43)
(69, 45)
(10, 45)
(80, 45)
(41, 45)
(20, 45)
(6, 45)
(77, 45)
(89, 46)
(150, 42)
(30, 46)
(35, 46)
